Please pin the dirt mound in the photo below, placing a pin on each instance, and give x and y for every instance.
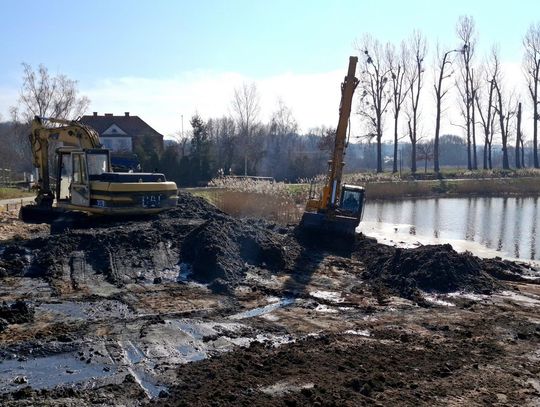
(433, 268)
(16, 313)
(192, 207)
(219, 248)
(223, 248)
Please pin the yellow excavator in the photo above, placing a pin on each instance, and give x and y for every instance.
(84, 180)
(339, 208)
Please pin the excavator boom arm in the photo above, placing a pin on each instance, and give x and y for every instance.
(331, 191)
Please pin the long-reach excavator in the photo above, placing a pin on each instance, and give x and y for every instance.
(339, 209)
(84, 180)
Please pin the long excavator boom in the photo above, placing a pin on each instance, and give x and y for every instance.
(339, 209)
(332, 189)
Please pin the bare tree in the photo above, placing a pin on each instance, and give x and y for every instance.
(414, 79)
(245, 106)
(502, 109)
(465, 30)
(283, 121)
(43, 94)
(519, 137)
(397, 62)
(484, 104)
(440, 92)
(425, 152)
(375, 96)
(531, 64)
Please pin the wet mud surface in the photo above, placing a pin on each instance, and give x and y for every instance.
(195, 307)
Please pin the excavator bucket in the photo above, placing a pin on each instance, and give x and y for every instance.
(337, 225)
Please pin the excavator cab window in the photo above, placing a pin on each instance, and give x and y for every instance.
(98, 163)
(352, 199)
(65, 176)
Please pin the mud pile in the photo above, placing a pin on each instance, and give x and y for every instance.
(222, 249)
(17, 313)
(219, 248)
(432, 268)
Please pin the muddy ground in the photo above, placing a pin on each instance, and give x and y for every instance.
(196, 308)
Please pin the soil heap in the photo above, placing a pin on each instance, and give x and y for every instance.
(431, 268)
(221, 249)
(17, 313)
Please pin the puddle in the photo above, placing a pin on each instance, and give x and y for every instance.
(25, 287)
(147, 383)
(51, 371)
(198, 330)
(132, 353)
(255, 312)
(332, 296)
(139, 368)
(92, 311)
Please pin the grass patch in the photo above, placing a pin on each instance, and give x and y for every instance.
(10, 193)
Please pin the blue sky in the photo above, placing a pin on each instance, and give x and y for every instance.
(100, 43)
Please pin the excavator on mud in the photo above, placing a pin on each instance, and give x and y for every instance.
(84, 180)
(338, 210)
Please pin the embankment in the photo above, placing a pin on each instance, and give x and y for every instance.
(525, 186)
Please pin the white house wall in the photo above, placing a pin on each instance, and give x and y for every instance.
(117, 144)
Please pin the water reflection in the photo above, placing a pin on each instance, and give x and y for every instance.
(507, 225)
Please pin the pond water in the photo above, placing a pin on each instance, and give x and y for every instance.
(492, 226)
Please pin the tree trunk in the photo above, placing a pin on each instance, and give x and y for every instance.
(518, 137)
(412, 136)
(535, 125)
(379, 149)
(395, 167)
(413, 157)
(489, 157)
(469, 165)
(522, 154)
(436, 141)
(473, 124)
(485, 162)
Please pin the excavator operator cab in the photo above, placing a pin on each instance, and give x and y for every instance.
(352, 200)
(76, 168)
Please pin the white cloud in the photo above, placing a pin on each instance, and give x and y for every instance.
(313, 98)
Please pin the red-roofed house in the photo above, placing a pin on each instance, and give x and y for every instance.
(122, 134)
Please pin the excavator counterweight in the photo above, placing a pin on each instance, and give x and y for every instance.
(339, 209)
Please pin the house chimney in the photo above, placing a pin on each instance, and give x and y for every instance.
(108, 114)
(126, 114)
(95, 113)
